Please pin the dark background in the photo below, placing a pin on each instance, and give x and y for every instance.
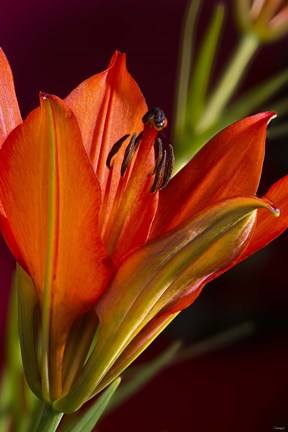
(52, 46)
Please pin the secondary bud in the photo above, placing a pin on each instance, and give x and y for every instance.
(267, 19)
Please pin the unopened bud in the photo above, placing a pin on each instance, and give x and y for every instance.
(267, 19)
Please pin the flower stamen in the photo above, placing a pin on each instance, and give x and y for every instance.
(158, 147)
(114, 150)
(163, 167)
(154, 120)
(160, 170)
(130, 151)
(168, 167)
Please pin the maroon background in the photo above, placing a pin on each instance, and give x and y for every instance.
(52, 46)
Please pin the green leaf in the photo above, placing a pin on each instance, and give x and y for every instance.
(185, 60)
(91, 417)
(254, 98)
(16, 399)
(141, 375)
(136, 377)
(203, 68)
(229, 82)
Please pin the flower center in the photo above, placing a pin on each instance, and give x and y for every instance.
(154, 121)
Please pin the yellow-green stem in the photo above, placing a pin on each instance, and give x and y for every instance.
(185, 61)
(229, 81)
(50, 419)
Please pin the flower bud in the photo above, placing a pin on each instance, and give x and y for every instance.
(267, 19)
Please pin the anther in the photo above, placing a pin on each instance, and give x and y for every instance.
(129, 152)
(159, 173)
(169, 166)
(156, 118)
(116, 147)
(138, 140)
(158, 147)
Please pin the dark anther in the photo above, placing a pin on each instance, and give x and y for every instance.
(116, 147)
(156, 117)
(159, 173)
(138, 140)
(158, 147)
(169, 166)
(129, 152)
(164, 166)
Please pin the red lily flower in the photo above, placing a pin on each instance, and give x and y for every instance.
(104, 242)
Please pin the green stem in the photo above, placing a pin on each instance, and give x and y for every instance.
(185, 61)
(50, 419)
(229, 81)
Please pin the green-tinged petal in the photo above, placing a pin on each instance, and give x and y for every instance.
(266, 230)
(28, 301)
(158, 274)
(141, 341)
(229, 165)
(52, 199)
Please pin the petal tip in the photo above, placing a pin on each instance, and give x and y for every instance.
(271, 206)
(117, 56)
(272, 115)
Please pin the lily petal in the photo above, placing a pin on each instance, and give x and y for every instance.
(80, 266)
(10, 116)
(128, 224)
(143, 339)
(265, 231)
(107, 106)
(167, 269)
(229, 165)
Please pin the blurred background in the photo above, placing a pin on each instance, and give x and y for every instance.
(242, 386)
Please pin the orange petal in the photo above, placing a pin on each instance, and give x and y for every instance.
(229, 165)
(9, 238)
(107, 106)
(266, 229)
(79, 270)
(10, 116)
(161, 272)
(128, 223)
